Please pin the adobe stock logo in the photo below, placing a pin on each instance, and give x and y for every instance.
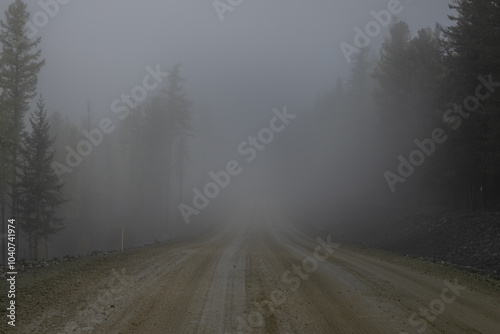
(291, 280)
(363, 38)
(40, 19)
(454, 118)
(221, 7)
(436, 306)
(122, 107)
(248, 148)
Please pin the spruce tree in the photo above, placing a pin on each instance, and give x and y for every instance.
(19, 67)
(178, 108)
(472, 46)
(393, 79)
(40, 187)
(5, 173)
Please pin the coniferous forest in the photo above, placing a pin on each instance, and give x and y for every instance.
(420, 115)
(233, 166)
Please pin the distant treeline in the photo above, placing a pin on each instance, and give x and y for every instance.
(416, 125)
(55, 174)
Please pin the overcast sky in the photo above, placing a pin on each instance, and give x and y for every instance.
(264, 54)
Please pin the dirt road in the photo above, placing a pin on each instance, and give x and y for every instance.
(259, 277)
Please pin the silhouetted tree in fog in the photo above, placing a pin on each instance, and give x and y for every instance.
(155, 139)
(19, 67)
(472, 48)
(360, 83)
(39, 186)
(393, 80)
(178, 108)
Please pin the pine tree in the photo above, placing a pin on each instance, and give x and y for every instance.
(393, 78)
(359, 83)
(19, 68)
(181, 156)
(427, 71)
(40, 187)
(408, 81)
(472, 46)
(5, 172)
(178, 113)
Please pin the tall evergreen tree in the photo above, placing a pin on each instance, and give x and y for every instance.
(5, 172)
(408, 82)
(427, 71)
(178, 111)
(392, 89)
(40, 188)
(472, 46)
(360, 83)
(19, 68)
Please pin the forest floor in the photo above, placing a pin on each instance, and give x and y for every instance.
(469, 240)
